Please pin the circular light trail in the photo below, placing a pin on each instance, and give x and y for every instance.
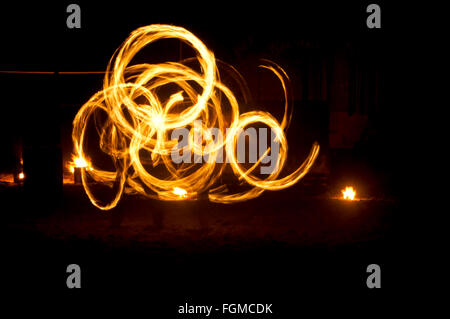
(140, 118)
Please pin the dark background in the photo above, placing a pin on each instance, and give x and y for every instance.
(345, 77)
(336, 65)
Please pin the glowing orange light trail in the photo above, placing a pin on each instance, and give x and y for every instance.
(140, 120)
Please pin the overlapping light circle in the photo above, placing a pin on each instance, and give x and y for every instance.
(139, 120)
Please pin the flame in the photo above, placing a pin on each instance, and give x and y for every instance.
(349, 193)
(21, 175)
(79, 161)
(180, 192)
(139, 121)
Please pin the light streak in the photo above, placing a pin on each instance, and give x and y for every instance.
(140, 118)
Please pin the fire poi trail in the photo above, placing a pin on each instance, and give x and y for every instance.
(139, 120)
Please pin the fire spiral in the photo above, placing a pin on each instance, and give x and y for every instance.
(138, 118)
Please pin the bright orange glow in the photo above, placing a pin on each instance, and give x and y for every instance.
(180, 192)
(21, 175)
(78, 162)
(137, 120)
(349, 193)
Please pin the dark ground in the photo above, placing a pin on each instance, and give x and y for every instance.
(302, 253)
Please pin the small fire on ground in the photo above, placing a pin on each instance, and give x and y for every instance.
(349, 193)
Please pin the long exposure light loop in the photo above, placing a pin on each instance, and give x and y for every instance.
(140, 120)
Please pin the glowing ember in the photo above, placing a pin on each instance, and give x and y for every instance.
(80, 162)
(179, 192)
(137, 120)
(349, 193)
(21, 175)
